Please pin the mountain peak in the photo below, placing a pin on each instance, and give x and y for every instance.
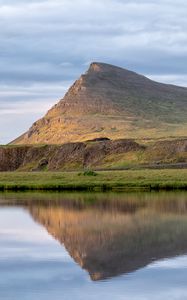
(96, 67)
(103, 67)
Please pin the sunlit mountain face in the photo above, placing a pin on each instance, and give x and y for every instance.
(113, 234)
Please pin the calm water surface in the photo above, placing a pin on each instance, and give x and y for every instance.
(93, 246)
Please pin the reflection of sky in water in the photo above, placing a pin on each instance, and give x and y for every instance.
(34, 266)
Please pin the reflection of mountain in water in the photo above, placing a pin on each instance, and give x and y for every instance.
(111, 234)
(117, 236)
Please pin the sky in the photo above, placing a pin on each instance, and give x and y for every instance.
(46, 44)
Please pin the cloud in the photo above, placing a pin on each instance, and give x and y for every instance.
(48, 42)
(20, 106)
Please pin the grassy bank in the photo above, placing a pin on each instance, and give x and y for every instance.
(103, 180)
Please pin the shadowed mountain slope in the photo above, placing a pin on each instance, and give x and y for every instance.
(109, 101)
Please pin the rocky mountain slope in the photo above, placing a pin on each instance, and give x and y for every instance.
(112, 102)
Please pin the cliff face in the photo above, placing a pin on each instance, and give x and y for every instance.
(93, 154)
(113, 102)
(64, 157)
(12, 158)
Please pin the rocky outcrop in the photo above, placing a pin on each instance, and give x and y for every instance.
(11, 158)
(167, 151)
(97, 154)
(71, 156)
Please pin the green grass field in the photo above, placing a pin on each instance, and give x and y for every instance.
(104, 180)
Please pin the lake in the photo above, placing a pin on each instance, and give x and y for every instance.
(93, 246)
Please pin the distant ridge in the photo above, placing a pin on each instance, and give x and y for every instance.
(108, 101)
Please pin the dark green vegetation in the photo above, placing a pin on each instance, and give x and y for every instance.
(105, 180)
(88, 173)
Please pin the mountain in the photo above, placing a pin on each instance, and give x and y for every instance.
(108, 101)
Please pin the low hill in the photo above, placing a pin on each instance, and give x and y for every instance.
(112, 102)
(104, 154)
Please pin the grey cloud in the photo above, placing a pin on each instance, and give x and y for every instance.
(49, 42)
